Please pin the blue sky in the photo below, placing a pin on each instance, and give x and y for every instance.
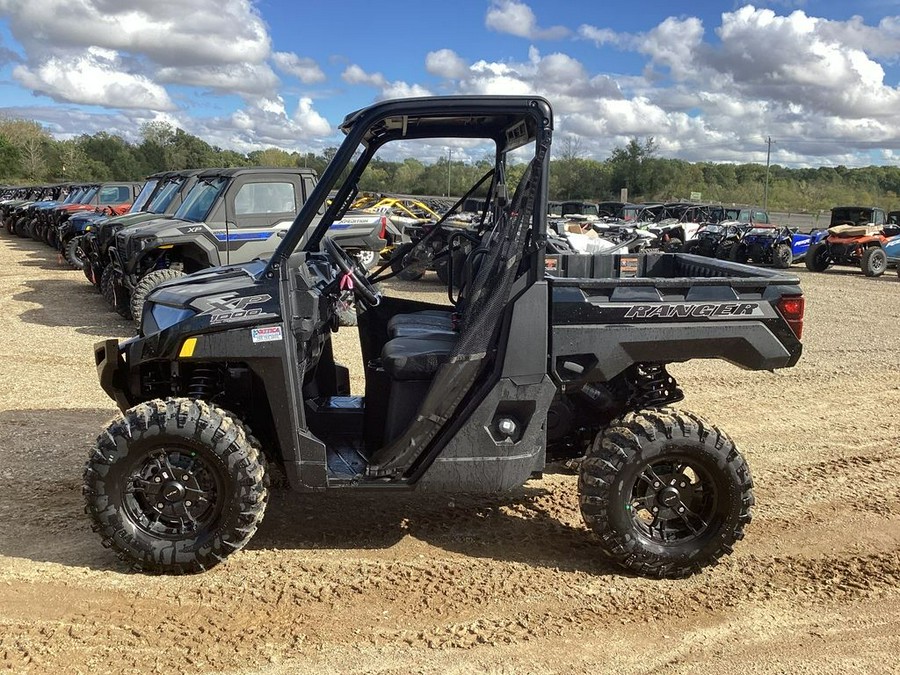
(708, 80)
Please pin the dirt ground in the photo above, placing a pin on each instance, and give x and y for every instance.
(346, 583)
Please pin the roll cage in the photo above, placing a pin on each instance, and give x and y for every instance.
(510, 122)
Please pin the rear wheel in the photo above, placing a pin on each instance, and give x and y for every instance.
(146, 286)
(874, 261)
(175, 486)
(782, 257)
(817, 258)
(666, 492)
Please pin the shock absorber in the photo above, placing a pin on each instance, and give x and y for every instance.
(205, 382)
(651, 386)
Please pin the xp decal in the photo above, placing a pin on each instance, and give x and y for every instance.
(225, 308)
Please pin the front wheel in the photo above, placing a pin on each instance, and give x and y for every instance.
(782, 256)
(723, 251)
(667, 493)
(106, 285)
(693, 247)
(738, 254)
(175, 486)
(674, 245)
(874, 262)
(367, 259)
(146, 286)
(73, 253)
(817, 258)
(398, 259)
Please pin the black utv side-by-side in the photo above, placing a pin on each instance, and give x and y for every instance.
(543, 357)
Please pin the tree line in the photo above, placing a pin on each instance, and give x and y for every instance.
(29, 154)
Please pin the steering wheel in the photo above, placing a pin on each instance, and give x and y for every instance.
(351, 278)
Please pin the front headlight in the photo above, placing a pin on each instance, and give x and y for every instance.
(138, 244)
(162, 317)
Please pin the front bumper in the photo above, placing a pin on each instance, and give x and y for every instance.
(112, 371)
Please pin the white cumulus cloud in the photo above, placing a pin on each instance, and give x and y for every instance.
(354, 74)
(94, 78)
(517, 18)
(303, 68)
(446, 63)
(238, 78)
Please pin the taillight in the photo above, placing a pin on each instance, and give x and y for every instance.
(383, 234)
(791, 307)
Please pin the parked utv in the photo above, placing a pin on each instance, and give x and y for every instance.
(233, 371)
(777, 246)
(892, 251)
(716, 240)
(37, 222)
(71, 232)
(167, 192)
(114, 197)
(13, 201)
(229, 216)
(20, 211)
(49, 196)
(856, 236)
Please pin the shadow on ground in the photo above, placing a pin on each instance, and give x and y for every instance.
(62, 302)
(41, 507)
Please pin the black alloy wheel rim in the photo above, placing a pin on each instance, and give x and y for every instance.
(785, 255)
(674, 500)
(877, 263)
(173, 492)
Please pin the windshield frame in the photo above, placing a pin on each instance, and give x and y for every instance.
(168, 190)
(143, 198)
(217, 183)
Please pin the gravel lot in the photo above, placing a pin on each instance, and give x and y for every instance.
(338, 583)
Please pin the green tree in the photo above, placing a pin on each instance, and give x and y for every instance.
(10, 159)
(272, 157)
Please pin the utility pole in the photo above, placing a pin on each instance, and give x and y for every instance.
(769, 142)
(449, 160)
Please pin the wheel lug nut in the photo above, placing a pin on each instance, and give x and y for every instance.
(655, 509)
(681, 509)
(185, 477)
(682, 485)
(656, 483)
(158, 479)
(160, 505)
(187, 503)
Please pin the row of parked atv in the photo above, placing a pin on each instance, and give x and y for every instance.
(858, 236)
(128, 238)
(862, 237)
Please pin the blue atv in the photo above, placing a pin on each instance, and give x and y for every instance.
(892, 250)
(777, 246)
